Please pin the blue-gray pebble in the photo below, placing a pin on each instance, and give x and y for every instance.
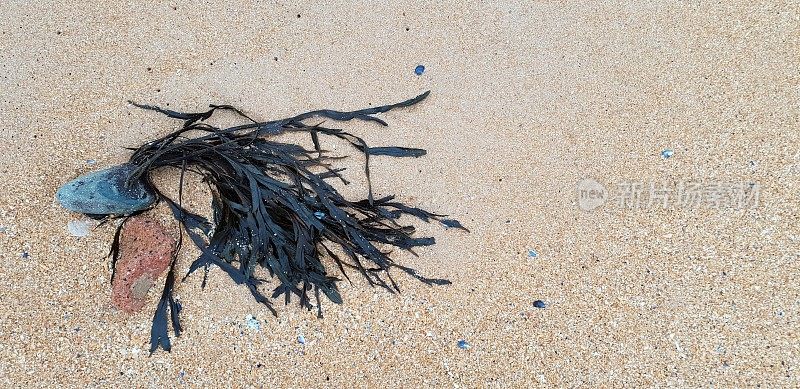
(104, 193)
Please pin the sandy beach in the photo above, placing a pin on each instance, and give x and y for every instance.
(631, 166)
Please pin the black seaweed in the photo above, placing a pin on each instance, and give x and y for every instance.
(273, 207)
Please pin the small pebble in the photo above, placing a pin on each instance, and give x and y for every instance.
(25, 255)
(419, 70)
(462, 344)
(90, 162)
(301, 339)
(667, 153)
(106, 192)
(79, 228)
(252, 323)
(146, 248)
(539, 304)
(532, 253)
(319, 215)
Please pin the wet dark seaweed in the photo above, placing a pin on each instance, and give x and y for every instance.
(272, 207)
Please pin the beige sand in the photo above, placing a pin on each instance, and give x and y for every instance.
(528, 99)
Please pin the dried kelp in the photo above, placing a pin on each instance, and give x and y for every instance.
(274, 207)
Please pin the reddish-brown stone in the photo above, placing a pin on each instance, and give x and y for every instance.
(146, 248)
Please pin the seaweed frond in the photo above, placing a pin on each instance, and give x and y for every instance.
(274, 207)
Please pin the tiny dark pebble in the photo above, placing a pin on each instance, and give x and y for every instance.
(25, 255)
(419, 70)
(463, 344)
(539, 304)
